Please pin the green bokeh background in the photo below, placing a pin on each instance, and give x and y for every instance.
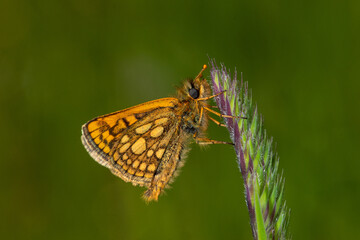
(65, 62)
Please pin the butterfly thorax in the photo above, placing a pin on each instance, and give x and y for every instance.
(193, 119)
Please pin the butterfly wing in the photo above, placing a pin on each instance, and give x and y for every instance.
(132, 142)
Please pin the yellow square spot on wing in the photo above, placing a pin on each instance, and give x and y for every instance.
(142, 166)
(161, 121)
(101, 145)
(109, 138)
(139, 146)
(131, 119)
(136, 164)
(131, 171)
(92, 126)
(148, 175)
(125, 167)
(116, 156)
(125, 138)
(95, 133)
(156, 132)
(150, 153)
(106, 149)
(143, 129)
(159, 153)
(139, 174)
(105, 134)
(124, 147)
(151, 168)
(97, 140)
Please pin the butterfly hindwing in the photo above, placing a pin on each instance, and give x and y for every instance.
(137, 158)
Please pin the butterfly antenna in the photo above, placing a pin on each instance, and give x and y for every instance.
(200, 73)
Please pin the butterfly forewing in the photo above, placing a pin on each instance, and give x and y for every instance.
(132, 142)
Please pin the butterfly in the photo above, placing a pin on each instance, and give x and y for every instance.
(145, 144)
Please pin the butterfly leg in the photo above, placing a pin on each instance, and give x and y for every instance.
(207, 141)
(217, 122)
(201, 114)
(221, 115)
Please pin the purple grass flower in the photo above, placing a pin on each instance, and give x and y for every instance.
(257, 161)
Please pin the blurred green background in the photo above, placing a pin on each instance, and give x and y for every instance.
(65, 62)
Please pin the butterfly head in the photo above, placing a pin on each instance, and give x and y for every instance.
(197, 88)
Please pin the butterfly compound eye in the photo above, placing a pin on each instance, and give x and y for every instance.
(194, 93)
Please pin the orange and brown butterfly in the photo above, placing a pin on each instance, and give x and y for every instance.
(145, 144)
